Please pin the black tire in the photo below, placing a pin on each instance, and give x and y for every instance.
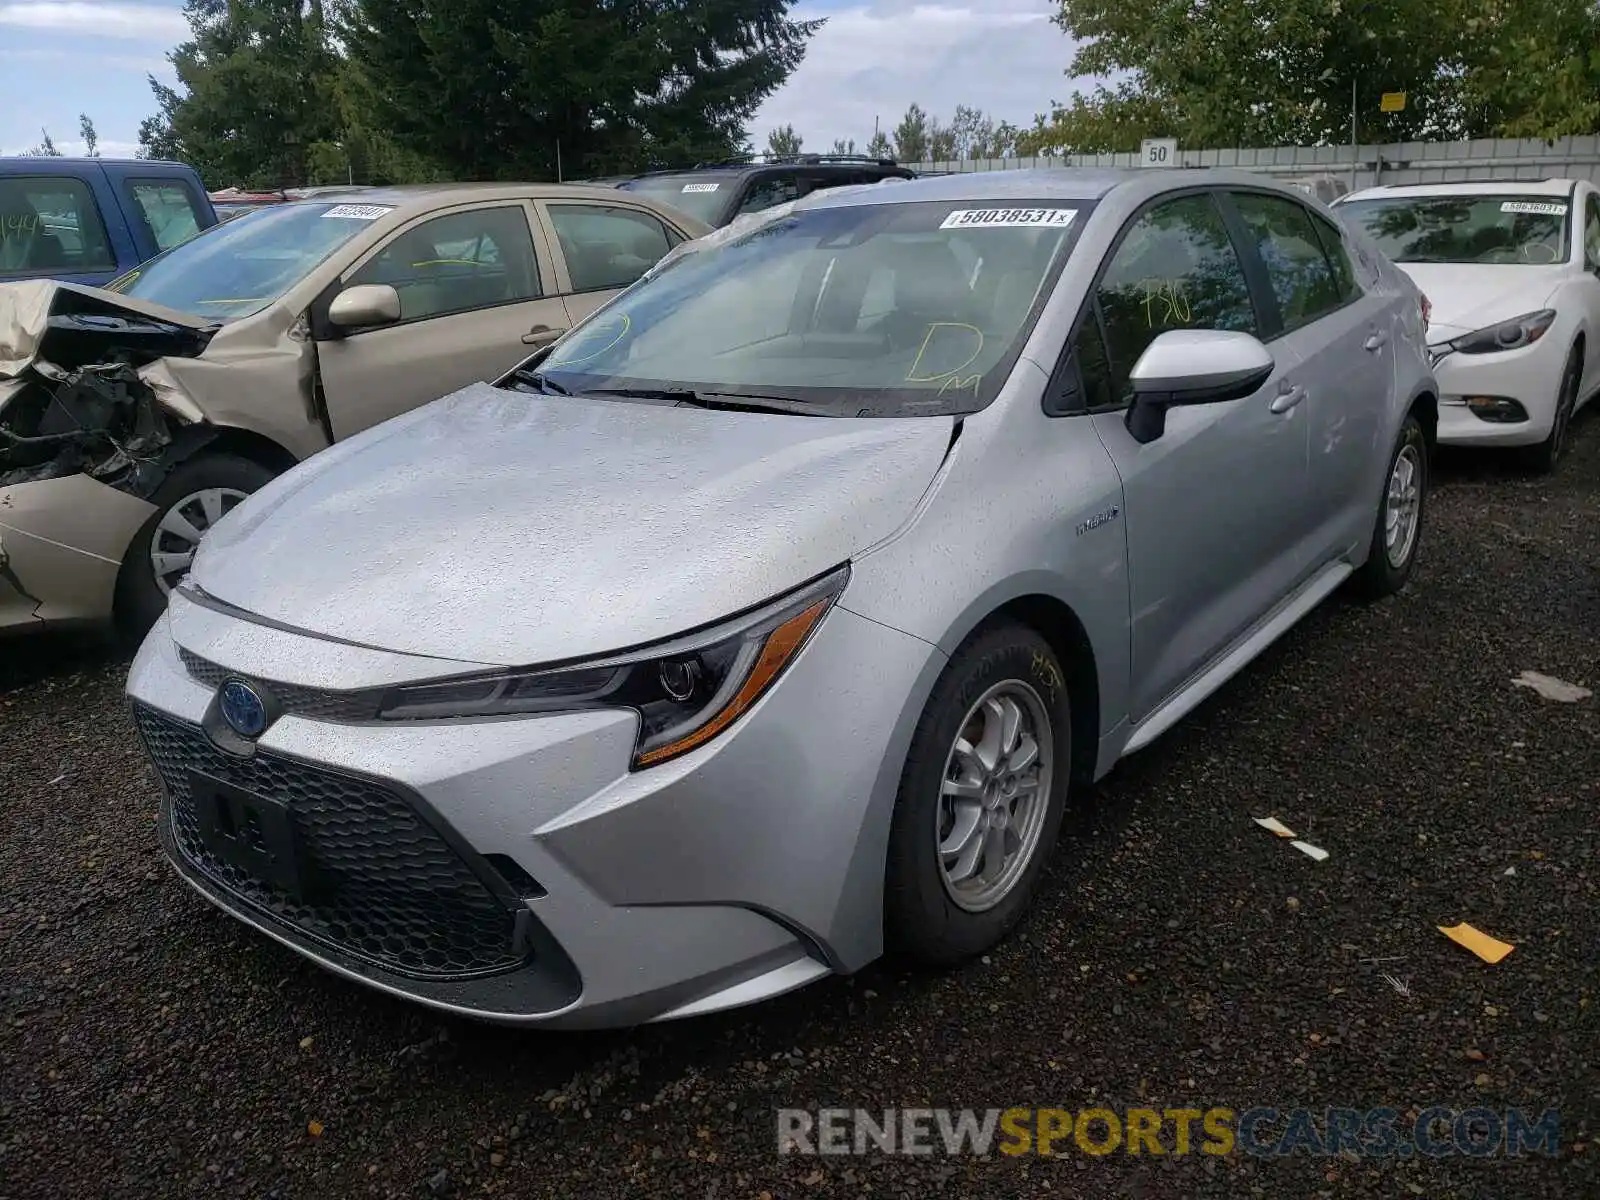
(922, 920)
(1544, 458)
(1380, 575)
(140, 599)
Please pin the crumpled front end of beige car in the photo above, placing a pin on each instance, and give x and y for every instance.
(90, 424)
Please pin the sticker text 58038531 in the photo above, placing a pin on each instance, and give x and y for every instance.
(1009, 218)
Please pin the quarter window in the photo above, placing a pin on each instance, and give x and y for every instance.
(457, 263)
(50, 226)
(773, 190)
(1297, 268)
(607, 247)
(168, 210)
(1176, 268)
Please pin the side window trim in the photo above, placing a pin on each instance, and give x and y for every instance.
(1090, 308)
(89, 209)
(371, 254)
(1269, 315)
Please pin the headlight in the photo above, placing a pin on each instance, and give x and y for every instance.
(1507, 335)
(685, 691)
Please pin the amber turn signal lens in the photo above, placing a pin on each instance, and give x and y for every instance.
(781, 645)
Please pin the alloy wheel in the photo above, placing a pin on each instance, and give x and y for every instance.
(1402, 504)
(995, 795)
(178, 533)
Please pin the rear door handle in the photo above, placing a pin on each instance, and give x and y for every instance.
(1288, 396)
(1376, 342)
(541, 335)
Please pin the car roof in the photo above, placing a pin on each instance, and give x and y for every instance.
(1047, 183)
(413, 199)
(1481, 187)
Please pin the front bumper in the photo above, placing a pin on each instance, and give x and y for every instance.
(61, 546)
(1531, 376)
(737, 872)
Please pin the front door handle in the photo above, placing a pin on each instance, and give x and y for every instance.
(541, 335)
(1376, 342)
(1288, 396)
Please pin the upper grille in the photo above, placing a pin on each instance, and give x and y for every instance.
(312, 703)
(381, 883)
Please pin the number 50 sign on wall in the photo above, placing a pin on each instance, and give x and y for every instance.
(1158, 152)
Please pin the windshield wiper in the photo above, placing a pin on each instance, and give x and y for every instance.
(730, 401)
(540, 382)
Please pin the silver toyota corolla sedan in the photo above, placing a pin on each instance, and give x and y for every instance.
(773, 617)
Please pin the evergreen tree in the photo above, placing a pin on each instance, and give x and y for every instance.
(506, 89)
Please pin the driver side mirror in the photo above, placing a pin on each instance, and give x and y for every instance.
(1193, 366)
(364, 305)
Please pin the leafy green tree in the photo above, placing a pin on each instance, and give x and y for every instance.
(911, 140)
(91, 139)
(1234, 73)
(979, 136)
(880, 146)
(783, 142)
(257, 82)
(45, 149)
(502, 89)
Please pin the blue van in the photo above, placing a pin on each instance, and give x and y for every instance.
(87, 220)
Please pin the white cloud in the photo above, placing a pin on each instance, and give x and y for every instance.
(146, 64)
(143, 22)
(874, 60)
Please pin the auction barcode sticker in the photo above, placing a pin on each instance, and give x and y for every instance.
(1009, 218)
(701, 187)
(358, 212)
(1541, 207)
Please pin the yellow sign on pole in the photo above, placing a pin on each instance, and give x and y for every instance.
(1392, 102)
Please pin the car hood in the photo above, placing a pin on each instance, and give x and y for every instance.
(1468, 296)
(505, 528)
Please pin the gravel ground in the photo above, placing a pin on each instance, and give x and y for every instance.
(1178, 954)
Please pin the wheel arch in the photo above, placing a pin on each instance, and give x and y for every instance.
(1093, 676)
(1425, 407)
(246, 443)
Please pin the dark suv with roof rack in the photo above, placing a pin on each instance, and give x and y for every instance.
(716, 193)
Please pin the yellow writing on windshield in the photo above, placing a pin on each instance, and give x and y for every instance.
(1165, 303)
(962, 329)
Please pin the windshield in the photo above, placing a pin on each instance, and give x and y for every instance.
(1509, 229)
(700, 197)
(239, 267)
(860, 310)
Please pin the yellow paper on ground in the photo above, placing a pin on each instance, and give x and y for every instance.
(1481, 944)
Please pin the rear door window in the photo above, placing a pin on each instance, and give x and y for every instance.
(168, 208)
(1344, 276)
(607, 247)
(1298, 269)
(51, 226)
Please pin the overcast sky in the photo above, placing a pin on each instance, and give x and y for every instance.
(872, 59)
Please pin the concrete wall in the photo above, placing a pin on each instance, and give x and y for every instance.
(1400, 162)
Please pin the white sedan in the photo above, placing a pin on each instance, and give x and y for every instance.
(1512, 270)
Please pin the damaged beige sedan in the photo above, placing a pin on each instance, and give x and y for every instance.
(133, 417)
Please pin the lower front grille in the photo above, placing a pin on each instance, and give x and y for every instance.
(376, 880)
